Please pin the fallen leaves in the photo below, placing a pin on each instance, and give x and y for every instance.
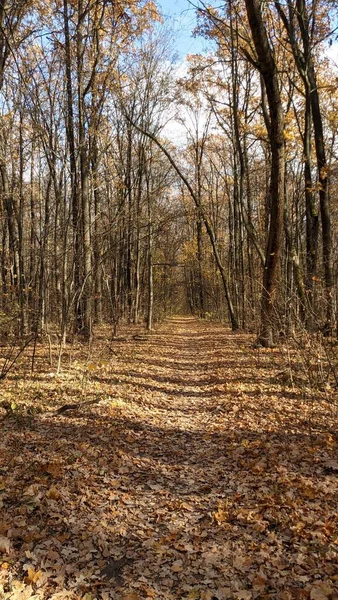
(243, 595)
(32, 576)
(5, 545)
(221, 515)
(321, 591)
(53, 493)
(184, 473)
(177, 566)
(21, 591)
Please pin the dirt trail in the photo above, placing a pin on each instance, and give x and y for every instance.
(196, 475)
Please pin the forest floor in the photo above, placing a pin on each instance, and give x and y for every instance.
(186, 464)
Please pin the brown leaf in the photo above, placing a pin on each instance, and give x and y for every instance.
(243, 595)
(5, 545)
(320, 591)
(177, 566)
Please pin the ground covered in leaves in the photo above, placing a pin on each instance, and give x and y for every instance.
(182, 465)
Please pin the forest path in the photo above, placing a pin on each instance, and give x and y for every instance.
(191, 469)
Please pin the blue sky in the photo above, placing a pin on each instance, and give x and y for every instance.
(180, 14)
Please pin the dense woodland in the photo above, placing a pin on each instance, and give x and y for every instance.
(196, 199)
(134, 187)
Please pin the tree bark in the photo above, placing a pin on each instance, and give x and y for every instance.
(298, 17)
(74, 197)
(268, 69)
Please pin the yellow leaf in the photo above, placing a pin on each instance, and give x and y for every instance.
(17, 586)
(131, 596)
(221, 515)
(309, 492)
(194, 595)
(33, 576)
(103, 363)
(53, 493)
(151, 593)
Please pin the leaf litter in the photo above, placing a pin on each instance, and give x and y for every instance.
(184, 467)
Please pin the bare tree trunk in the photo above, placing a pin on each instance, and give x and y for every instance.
(22, 271)
(199, 233)
(312, 221)
(72, 160)
(150, 308)
(12, 223)
(298, 18)
(85, 298)
(323, 198)
(268, 69)
(322, 166)
(137, 277)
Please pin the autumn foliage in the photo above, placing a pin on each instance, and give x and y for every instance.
(181, 465)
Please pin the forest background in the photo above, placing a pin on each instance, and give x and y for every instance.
(182, 195)
(133, 187)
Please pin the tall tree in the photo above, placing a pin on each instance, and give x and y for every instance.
(267, 65)
(12, 33)
(300, 22)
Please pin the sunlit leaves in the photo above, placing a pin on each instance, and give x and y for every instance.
(214, 479)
